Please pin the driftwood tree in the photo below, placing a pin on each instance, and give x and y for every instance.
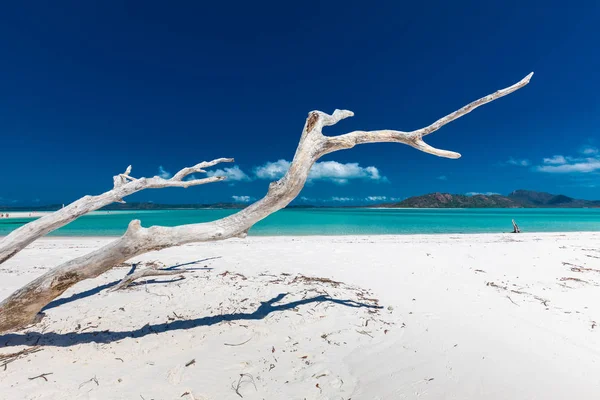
(124, 185)
(23, 306)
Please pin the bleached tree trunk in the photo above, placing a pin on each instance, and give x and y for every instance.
(124, 185)
(22, 307)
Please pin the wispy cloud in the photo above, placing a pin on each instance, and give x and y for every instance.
(588, 161)
(331, 171)
(480, 193)
(376, 198)
(555, 160)
(342, 199)
(382, 198)
(589, 150)
(163, 173)
(233, 174)
(367, 199)
(518, 162)
(307, 199)
(579, 165)
(242, 199)
(442, 178)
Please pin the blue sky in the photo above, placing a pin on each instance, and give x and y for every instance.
(88, 88)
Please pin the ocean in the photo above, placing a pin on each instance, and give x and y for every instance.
(343, 221)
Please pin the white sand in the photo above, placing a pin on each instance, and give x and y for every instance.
(447, 334)
(24, 214)
(39, 214)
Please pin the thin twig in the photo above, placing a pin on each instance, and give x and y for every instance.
(8, 358)
(191, 362)
(42, 376)
(157, 294)
(541, 300)
(94, 379)
(89, 327)
(572, 279)
(511, 300)
(579, 268)
(238, 344)
(236, 388)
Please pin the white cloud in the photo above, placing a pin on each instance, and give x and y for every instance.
(233, 174)
(272, 170)
(555, 160)
(589, 150)
(479, 193)
(342, 199)
(242, 199)
(163, 173)
(340, 173)
(332, 171)
(376, 198)
(442, 178)
(589, 163)
(518, 162)
(584, 165)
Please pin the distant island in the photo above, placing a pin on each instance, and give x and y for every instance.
(516, 199)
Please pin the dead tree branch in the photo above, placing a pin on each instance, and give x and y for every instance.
(129, 279)
(21, 308)
(124, 185)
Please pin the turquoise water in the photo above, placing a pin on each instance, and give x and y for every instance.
(347, 221)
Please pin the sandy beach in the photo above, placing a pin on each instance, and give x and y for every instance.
(339, 317)
(24, 214)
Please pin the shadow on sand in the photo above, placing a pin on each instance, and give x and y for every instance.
(107, 336)
(98, 289)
